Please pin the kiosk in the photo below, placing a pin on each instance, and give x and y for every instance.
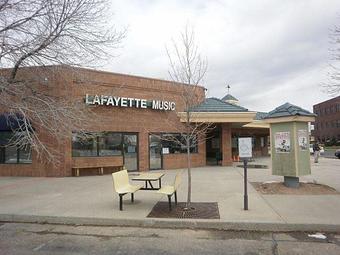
(289, 137)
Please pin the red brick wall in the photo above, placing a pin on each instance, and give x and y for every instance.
(327, 121)
(74, 84)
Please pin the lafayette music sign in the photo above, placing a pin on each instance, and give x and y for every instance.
(129, 102)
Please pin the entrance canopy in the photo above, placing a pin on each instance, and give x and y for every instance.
(218, 111)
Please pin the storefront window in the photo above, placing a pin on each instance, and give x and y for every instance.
(97, 144)
(12, 154)
(25, 155)
(110, 144)
(176, 143)
(84, 145)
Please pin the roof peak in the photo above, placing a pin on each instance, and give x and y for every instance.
(229, 97)
(213, 104)
(288, 109)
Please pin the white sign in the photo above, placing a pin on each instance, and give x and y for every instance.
(282, 142)
(165, 150)
(129, 102)
(302, 138)
(245, 147)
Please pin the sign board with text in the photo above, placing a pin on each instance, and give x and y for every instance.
(165, 150)
(245, 147)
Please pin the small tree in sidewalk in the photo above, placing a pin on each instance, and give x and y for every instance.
(187, 66)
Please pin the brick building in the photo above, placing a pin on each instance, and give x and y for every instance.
(327, 122)
(132, 115)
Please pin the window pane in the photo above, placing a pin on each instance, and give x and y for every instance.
(2, 154)
(5, 137)
(193, 144)
(11, 155)
(177, 143)
(84, 146)
(172, 141)
(110, 144)
(25, 155)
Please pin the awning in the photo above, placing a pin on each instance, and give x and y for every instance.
(8, 122)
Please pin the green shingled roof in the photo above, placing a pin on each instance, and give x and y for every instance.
(217, 105)
(287, 110)
(261, 115)
(229, 97)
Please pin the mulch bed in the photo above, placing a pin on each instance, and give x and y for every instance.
(275, 188)
(200, 211)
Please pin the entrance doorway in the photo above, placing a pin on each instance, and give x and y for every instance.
(130, 151)
(155, 152)
(213, 146)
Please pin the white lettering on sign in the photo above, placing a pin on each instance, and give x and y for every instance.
(245, 147)
(163, 105)
(143, 103)
(124, 102)
(129, 102)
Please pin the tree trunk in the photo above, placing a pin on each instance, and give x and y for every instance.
(188, 160)
(189, 174)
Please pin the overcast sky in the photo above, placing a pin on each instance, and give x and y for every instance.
(269, 52)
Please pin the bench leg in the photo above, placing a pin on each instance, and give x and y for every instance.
(77, 172)
(132, 198)
(175, 197)
(101, 171)
(121, 202)
(169, 199)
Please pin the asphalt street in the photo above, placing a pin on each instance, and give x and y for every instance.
(21, 238)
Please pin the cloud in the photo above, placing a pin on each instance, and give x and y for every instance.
(270, 52)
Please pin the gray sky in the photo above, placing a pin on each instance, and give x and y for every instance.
(270, 52)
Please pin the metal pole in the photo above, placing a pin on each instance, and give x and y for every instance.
(245, 185)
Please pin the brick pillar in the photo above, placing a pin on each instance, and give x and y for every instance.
(226, 144)
(143, 151)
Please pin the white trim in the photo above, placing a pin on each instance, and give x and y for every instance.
(219, 117)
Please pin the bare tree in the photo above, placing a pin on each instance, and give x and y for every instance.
(333, 85)
(187, 66)
(42, 33)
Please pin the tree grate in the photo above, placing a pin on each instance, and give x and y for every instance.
(203, 210)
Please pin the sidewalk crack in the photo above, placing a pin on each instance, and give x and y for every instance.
(275, 250)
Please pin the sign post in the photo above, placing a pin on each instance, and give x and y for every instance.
(245, 152)
(245, 197)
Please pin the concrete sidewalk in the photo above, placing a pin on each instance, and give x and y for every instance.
(90, 200)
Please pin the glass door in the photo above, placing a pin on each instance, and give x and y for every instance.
(155, 152)
(130, 148)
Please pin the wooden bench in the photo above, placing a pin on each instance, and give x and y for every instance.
(100, 169)
(170, 190)
(122, 186)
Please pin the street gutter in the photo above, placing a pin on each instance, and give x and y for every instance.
(172, 223)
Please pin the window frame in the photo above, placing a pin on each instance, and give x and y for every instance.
(18, 150)
(97, 142)
(196, 150)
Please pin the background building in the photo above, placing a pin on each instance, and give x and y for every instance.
(327, 122)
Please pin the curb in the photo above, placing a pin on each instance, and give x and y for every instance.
(172, 223)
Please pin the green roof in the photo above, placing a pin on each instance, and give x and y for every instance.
(229, 97)
(287, 110)
(217, 105)
(261, 115)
